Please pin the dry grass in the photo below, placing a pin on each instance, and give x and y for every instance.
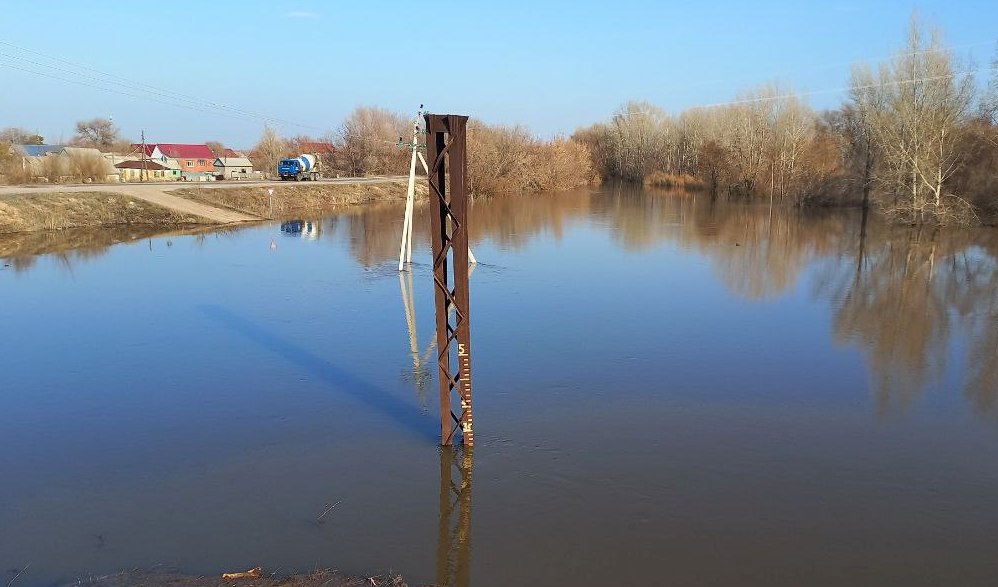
(170, 578)
(300, 199)
(58, 211)
(682, 181)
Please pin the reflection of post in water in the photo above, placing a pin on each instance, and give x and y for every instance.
(420, 373)
(454, 539)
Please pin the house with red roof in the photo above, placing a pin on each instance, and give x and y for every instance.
(196, 162)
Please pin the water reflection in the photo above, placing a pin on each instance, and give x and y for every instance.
(22, 250)
(420, 375)
(901, 296)
(304, 229)
(457, 464)
(715, 435)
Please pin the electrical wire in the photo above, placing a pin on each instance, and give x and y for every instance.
(104, 81)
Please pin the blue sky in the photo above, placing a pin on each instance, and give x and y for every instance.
(553, 66)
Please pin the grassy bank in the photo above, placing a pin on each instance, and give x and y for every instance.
(300, 199)
(58, 211)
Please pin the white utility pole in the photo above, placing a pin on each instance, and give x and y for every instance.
(405, 243)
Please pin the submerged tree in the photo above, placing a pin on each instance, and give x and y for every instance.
(915, 109)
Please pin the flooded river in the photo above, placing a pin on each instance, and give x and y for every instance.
(668, 392)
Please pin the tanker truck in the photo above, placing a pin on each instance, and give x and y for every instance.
(301, 168)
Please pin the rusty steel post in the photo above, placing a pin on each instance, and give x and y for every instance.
(447, 152)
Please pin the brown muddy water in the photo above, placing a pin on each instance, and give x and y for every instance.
(668, 392)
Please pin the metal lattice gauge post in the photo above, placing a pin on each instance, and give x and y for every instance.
(447, 153)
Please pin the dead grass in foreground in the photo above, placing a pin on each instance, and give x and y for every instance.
(58, 211)
(168, 578)
(300, 199)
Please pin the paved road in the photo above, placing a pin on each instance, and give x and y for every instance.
(156, 193)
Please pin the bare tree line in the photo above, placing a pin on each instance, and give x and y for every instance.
(501, 159)
(913, 138)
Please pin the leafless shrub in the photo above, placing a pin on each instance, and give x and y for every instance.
(503, 160)
(367, 142)
(86, 167)
(51, 168)
(268, 152)
(682, 181)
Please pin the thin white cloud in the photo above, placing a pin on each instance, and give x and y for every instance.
(301, 14)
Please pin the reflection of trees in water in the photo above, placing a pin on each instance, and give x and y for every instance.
(888, 304)
(900, 294)
(757, 252)
(22, 250)
(977, 303)
(373, 231)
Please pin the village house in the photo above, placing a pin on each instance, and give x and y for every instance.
(195, 162)
(234, 168)
(134, 170)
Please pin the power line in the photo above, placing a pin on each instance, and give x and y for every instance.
(838, 64)
(135, 89)
(843, 89)
(789, 95)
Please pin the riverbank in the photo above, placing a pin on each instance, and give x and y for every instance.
(34, 210)
(300, 199)
(64, 210)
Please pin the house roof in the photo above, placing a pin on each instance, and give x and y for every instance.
(81, 151)
(186, 151)
(149, 165)
(233, 162)
(149, 148)
(231, 153)
(39, 150)
(178, 151)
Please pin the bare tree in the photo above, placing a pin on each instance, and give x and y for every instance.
(99, 133)
(367, 142)
(217, 148)
(989, 103)
(269, 151)
(916, 107)
(19, 136)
